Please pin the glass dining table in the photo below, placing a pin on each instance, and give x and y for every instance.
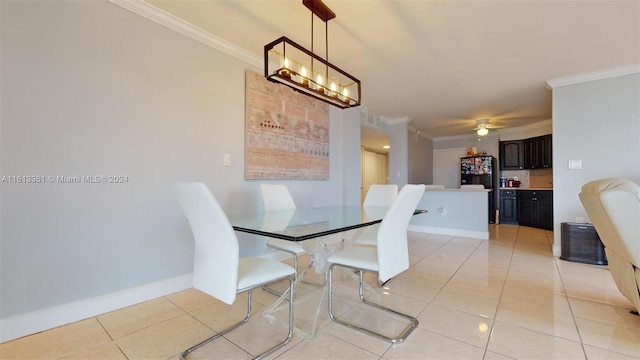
(307, 223)
(320, 230)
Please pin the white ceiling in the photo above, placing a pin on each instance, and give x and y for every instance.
(443, 64)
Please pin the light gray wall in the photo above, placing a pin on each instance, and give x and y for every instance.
(399, 153)
(454, 212)
(89, 88)
(350, 156)
(489, 144)
(420, 162)
(597, 122)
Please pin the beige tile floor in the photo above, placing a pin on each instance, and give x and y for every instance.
(506, 298)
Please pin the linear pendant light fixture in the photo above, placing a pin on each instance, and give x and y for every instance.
(290, 64)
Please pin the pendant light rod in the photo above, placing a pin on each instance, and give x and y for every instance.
(320, 9)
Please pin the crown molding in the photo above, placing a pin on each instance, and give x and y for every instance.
(394, 121)
(418, 132)
(173, 22)
(592, 76)
(491, 134)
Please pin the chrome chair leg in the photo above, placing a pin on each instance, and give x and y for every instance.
(221, 333)
(295, 265)
(413, 322)
(244, 321)
(295, 275)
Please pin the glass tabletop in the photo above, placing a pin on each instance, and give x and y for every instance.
(307, 223)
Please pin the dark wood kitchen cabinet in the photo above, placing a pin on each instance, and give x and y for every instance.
(537, 152)
(508, 206)
(535, 208)
(511, 155)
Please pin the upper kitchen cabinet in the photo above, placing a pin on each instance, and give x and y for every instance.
(511, 155)
(537, 152)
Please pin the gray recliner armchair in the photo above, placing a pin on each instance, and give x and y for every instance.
(613, 205)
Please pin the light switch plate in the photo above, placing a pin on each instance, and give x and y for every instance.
(226, 159)
(575, 164)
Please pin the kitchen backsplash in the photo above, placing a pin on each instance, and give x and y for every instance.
(539, 178)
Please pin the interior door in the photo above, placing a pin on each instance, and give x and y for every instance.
(374, 170)
(446, 167)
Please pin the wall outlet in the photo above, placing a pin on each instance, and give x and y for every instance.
(579, 219)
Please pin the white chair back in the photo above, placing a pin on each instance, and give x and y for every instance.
(380, 195)
(276, 197)
(216, 255)
(393, 250)
(277, 220)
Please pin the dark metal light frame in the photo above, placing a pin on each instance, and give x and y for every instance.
(284, 62)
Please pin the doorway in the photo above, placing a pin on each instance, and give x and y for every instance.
(375, 170)
(374, 158)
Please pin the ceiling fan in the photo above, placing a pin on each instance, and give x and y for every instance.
(501, 121)
(482, 127)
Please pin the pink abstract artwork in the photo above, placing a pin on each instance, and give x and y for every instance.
(287, 133)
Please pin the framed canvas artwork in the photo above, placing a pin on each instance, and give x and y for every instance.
(286, 133)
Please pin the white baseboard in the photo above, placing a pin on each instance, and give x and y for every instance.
(483, 235)
(30, 323)
(557, 250)
(40, 320)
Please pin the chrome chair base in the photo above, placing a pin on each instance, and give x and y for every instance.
(244, 321)
(413, 322)
(295, 266)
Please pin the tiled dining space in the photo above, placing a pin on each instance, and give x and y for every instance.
(505, 298)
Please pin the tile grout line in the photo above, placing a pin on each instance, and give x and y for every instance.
(504, 282)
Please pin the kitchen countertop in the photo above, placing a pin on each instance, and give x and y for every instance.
(527, 188)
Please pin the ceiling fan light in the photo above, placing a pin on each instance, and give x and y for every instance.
(483, 131)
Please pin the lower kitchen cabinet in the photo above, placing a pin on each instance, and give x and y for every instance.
(508, 206)
(535, 208)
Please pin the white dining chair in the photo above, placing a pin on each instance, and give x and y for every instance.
(277, 197)
(378, 195)
(217, 268)
(389, 258)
